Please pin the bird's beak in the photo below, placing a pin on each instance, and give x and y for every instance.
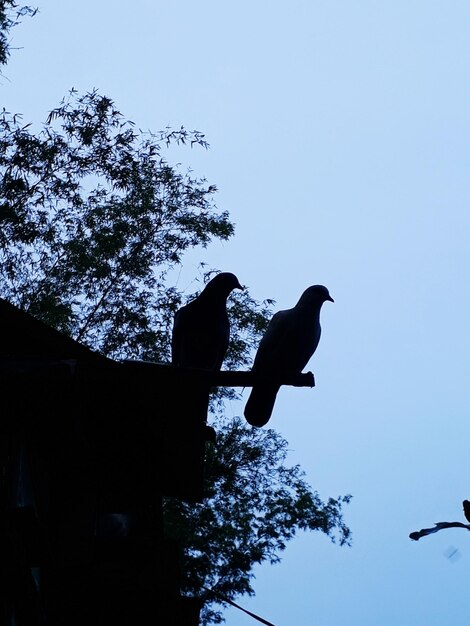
(238, 286)
(330, 299)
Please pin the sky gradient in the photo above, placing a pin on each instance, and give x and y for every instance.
(339, 136)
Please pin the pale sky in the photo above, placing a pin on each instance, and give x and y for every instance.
(339, 135)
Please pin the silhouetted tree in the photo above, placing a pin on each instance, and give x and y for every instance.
(93, 219)
(255, 504)
(10, 15)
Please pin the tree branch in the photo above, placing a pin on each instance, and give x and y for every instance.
(438, 526)
(217, 379)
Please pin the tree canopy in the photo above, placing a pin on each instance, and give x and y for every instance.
(255, 504)
(92, 220)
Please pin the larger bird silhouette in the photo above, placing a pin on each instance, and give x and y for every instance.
(290, 340)
(201, 329)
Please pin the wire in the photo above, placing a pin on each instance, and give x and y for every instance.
(237, 606)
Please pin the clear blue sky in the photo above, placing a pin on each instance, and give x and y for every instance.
(339, 137)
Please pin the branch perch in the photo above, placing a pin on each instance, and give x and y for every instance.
(216, 379)
(439, 526)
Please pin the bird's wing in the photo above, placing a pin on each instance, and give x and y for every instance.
(272, 342)
(218, 337)
(177, 337)
(185, 338)
(200, 336)
(188, 345)
(288, 343)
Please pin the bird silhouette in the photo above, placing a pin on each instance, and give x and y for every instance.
(290, 340)
(201, 328)
(466, 509)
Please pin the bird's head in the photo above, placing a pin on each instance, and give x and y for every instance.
(315, 295)
(223, 283)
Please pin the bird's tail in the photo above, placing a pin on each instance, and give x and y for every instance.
(260, 404)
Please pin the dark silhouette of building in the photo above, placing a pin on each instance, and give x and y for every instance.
(88, 448)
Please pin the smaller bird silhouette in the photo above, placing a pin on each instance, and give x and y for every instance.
(290, 340)
(201, 328)
(466, 509)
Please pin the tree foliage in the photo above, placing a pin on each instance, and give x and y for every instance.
(255, 504)
(92, 220)
(10, 16)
